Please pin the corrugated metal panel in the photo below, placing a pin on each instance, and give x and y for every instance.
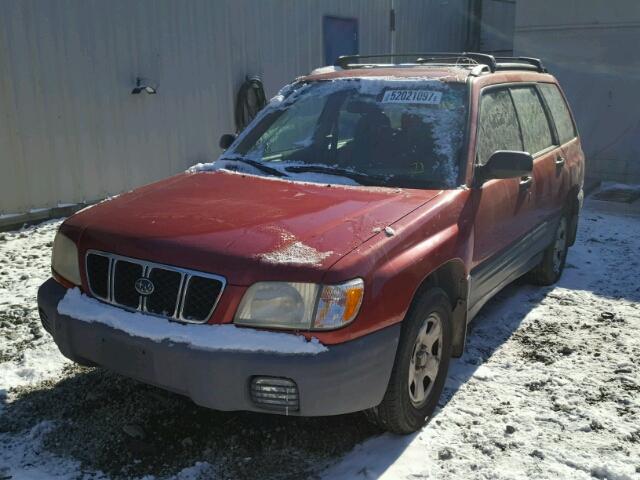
(498, 22)
(591, 47)
(431, 25)
(71, 131)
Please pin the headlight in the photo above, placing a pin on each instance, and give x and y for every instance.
(278, 304)
(300, 306)
(64, 259)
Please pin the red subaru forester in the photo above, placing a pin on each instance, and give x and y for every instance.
(330, 260)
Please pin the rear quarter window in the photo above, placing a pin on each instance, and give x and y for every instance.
(559, 110)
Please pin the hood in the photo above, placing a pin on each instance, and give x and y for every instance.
(244, 227)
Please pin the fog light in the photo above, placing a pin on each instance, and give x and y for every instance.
(274, 393)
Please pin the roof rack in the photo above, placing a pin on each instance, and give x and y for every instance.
(519, 63)
(469, 59)
(464, 58)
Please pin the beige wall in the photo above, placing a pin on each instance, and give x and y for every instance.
(591, 46)
(70, 131)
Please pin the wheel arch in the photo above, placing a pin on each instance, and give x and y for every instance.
(572, 206)
(451, 277)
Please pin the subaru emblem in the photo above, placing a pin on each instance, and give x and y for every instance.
(144, 286)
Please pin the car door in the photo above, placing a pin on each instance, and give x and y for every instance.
(570, 158)
(540, 141)
(502, 206)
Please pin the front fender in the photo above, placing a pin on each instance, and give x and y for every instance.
(395, 264)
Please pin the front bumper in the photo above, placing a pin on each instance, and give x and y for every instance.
(348, 377)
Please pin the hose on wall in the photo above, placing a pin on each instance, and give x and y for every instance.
(250, 100)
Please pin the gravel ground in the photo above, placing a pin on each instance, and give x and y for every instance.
(549, 388)
(126, 429)
(25, 258)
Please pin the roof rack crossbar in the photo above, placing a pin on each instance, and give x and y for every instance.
(513, 63)
(352, 61)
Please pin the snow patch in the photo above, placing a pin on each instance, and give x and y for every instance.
(202, 167)
(24, 457)
(208, 337)
(35, 365)
(295, 253)
(292, 251)
(326, 69)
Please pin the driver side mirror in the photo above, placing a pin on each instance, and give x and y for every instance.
(506, 164)
(226, 140)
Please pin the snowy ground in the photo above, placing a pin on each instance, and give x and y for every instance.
(549, 388)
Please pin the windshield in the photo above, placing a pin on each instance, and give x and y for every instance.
(396, 133)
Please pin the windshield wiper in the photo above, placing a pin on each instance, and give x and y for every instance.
(361, 178)
(259, 165)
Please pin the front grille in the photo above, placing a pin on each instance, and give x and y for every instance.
(125, 275)
(176, 293)
(164, 299)
(99, 267)
(199, 296)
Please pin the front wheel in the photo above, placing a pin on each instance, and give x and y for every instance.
(420, 368)
(550, 268)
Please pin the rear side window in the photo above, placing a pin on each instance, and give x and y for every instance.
(536, 132)
(498, 126)
(559, 110)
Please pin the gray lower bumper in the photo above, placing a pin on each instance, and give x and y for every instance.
(349, 377)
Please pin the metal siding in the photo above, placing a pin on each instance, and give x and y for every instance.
(498, 22)
(431, 25)
(591, 47)
(70, 131)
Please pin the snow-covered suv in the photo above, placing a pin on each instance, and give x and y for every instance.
(330, 260)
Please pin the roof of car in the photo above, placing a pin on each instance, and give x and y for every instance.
(445, 66)
(441, 72)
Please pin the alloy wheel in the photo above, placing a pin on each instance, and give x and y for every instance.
(425, 360)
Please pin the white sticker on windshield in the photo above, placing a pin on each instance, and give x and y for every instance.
(412, 96)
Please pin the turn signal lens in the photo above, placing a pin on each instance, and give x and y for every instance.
(339, 304)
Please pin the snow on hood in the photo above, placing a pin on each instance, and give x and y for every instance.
(204, 336)
(294, 252)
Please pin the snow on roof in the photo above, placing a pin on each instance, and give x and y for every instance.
(205, 336)
(326, 69)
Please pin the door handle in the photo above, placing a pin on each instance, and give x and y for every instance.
(525, 182)
(560, 162)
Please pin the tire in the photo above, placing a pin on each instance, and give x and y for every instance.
(573, 223)
(420, 368)
(550, 268)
